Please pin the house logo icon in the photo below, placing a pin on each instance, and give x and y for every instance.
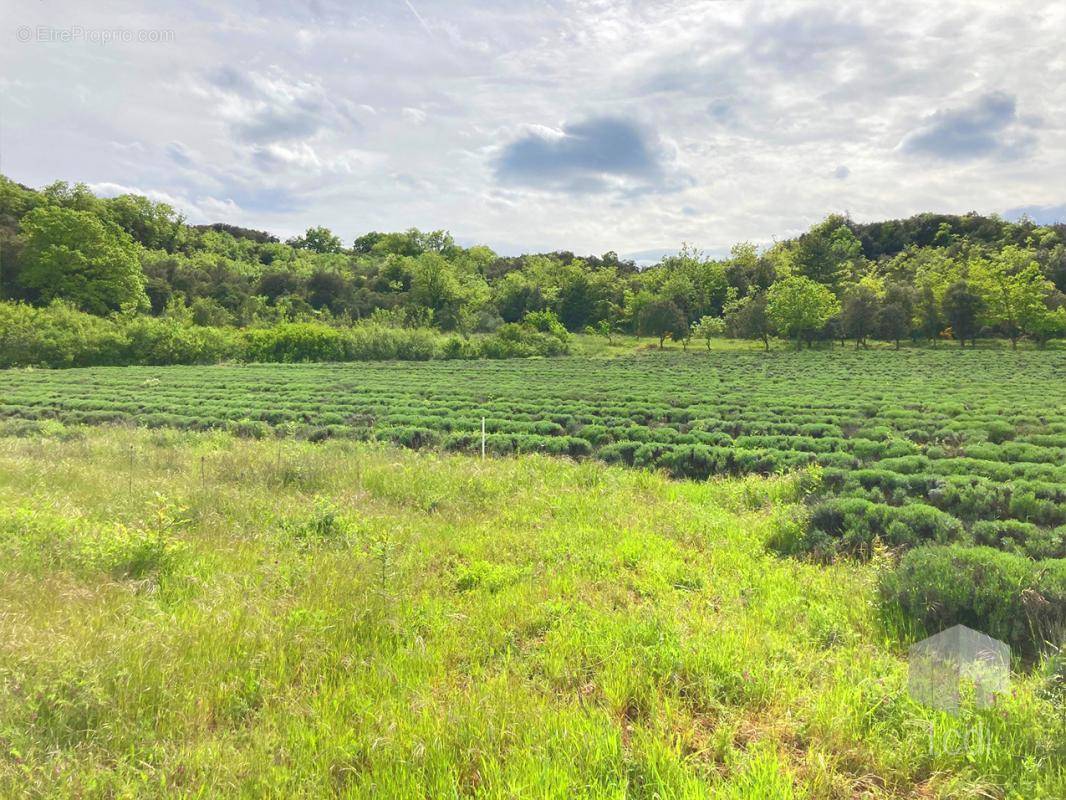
(956, 665)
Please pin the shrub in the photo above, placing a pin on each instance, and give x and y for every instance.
(1010, 597)
(56, 336)
(651, 454)
(374, 342)
(248, 429)
(517, 341)
(916, 523)
(969, 497)
(619, 452)
(1013, 536)
(693, 461)
(456, 347)
(836, 460)
(1025, 505)
(158, 341)
(999, 431)
(546, 322)
(908, 465)
(850, 525)
(1047, 543)
(410, 436)
(294, 342)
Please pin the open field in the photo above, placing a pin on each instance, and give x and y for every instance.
(954, 446)
(193, 614)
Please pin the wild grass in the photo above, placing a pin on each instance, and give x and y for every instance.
(264, 619)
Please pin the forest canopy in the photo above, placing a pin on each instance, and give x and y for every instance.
(929, 277)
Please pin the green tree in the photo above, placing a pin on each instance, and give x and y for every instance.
(154, 225)
(411, 242)
(662, 318)
(434, 286)
(73, 255)
(329, 289)
(318, 240)
(16, 201)
(634, 303)
(677, 287)
(707, 327)
(546, 322)
(799, 307)
(859, 309)
(207, 311)
(829, 253)
(694, 283)
(1051, 324)
(895, 318)
(962, 308)
(607, 328)
(934, 269)
(78, 197)
(573, 296)
(1013, 291)
(928, 314)
(746, 318)
(515, 295)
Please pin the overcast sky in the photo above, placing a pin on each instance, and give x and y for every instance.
(588, 126)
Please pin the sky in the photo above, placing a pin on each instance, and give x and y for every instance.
(531, 126)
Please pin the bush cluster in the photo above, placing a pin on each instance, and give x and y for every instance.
(58, 336)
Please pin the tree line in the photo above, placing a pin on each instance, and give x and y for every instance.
(927, 278)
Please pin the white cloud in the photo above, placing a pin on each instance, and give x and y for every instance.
(415, 116)
(196, 211)
(362, 115)
(302, 156)
(115, 189)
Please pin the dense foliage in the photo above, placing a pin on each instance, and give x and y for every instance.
(921, 279)
(60, 336)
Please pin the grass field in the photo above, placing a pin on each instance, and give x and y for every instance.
(239, 586)
(193, 614)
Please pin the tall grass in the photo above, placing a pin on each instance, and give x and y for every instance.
(356, 621)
